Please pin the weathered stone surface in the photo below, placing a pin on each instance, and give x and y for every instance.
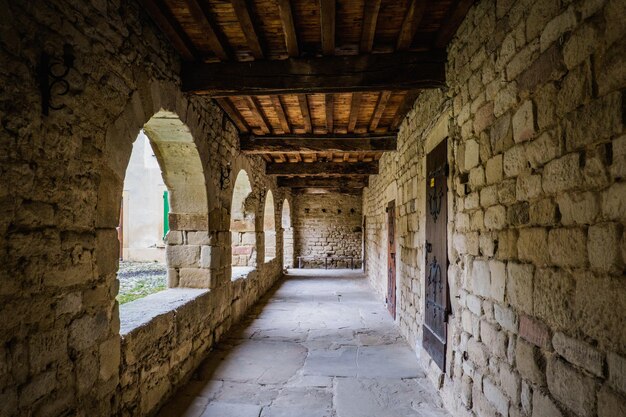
(575, 390)
(604, 248)
(535, 332)
(519, 286)
(543, 405)
(524, 122)
(579, 353)
(530, 362)
(610, 404)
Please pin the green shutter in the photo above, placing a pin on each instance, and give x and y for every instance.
(166, 211)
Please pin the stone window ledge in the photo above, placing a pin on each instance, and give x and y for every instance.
(241, 272)
(141, 312)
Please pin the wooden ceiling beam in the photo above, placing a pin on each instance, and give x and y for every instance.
(252, 144)
(323, 168)
(458, 11)
(257, 111)
(411, 22)
(383, 98)
(355, 106)
(216, 40)
(286, 18)
(370, 18)
(327, 23)
(280, 112)
(316, 182)
(243, 15)
(233, 114)
(373, 72)
(306, 114)
(162, 16)
(329, 106)
(351, 191)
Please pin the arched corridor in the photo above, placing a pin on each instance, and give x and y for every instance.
(375, 207)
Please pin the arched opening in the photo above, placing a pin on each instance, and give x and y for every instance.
(269, 227)
(242, 227)
(164, 196)
(287, 235)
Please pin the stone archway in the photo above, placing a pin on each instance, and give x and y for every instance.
(243, 226)
(269, 226)
(287, 235)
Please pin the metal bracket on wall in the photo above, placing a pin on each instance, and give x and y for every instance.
(51, 73)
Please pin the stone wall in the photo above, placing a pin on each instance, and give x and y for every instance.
(537, 202)
(61, 180)
(327, 226)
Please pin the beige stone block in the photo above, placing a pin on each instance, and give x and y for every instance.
(524, 122)
(46, 347)
(472, 154)
(610, 404)
(496, 397)
(529, 362)
(539, 14)
(579, 353)
(532, 245)
(604, 248)
(477, 220)
(474, 304)
(518, 214)
(507, 244)
(477, 177)
(495, 217)
(593, 122)
(195, 278)
(110, 358)
(515, 161)
(614, 202)
(543, 149)
(568, 247)
(505, 318)
(617, 372)
(477, 352)
(493, 338)
(543, 212)
(497, 271)
(489, 196)
(528, 187)
(107, 251)
(511, 383)
(183, 256)
(487, 244)
(481, 278)
(188, 221)
(578, 208)
(562, 174)
(519, 288)
(506, 191)
(501, 134)
(472, 201)
(554, 297)
(562, 23)
(575, 390)
(535, 332)
(493, 171)
(174, 237)
(544, 406)
(199, 238)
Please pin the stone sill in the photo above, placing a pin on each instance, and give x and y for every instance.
(141, 312)
(241, 272)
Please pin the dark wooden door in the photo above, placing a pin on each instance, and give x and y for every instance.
(436, 249)
(391, 258)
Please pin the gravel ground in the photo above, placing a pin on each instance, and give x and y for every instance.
(138, 279)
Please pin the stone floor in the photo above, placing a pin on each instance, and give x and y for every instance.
(320, 345)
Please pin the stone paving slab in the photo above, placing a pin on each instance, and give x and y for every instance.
(319, 346)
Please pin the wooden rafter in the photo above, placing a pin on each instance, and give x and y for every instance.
(383, 98)
(257, 112)
(329, 104)
(316, 182)
(286, 18)
(327, 22)
(456, 14)
(317, 143)
(163, 17)
(323, 168)
(355, 106)
(370, 17)
(214, 37)
(306, 114)
(280, 112)
(351, 191)
(411, 22)
(373, 72)
(249, 31)
(233, 114)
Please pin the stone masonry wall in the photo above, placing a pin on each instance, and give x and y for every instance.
(327, 225)
(61, 181)
(534, 113)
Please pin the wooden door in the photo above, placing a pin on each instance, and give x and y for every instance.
(436, 249)
(391, 258)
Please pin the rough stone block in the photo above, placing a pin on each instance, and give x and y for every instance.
(578, 208)
(554, 297)
(174, 237)
(530, 362)
(617, 372)
(543, 149)
(544, 212)
(493, 169)
(515, 161)
(535, 332)
(568, 247)
(519, 288)
(488, 196)
(614, 202)
(511, 383)
(524, 122)
(604, 248)
(575, 390)
(528, 187)
(493, 338)
(198, 238)
(472, 154)
(188, 221)
(501, 134)
(182, 256)
(495, 217)
(505, 318)
(481, 278)
(496, 397)
(110, 359)
(562, 23)
(544, 406)
(610, 404)
(497, 271)
(579, 353)
(562, 174)
(532, 245)
(474, 304)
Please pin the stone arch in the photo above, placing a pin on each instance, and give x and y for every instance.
(242, 224)
(287, 235)
(269, 226)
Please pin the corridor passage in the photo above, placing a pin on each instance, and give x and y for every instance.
(320, 345)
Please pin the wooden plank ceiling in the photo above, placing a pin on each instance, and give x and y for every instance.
(317, 87)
